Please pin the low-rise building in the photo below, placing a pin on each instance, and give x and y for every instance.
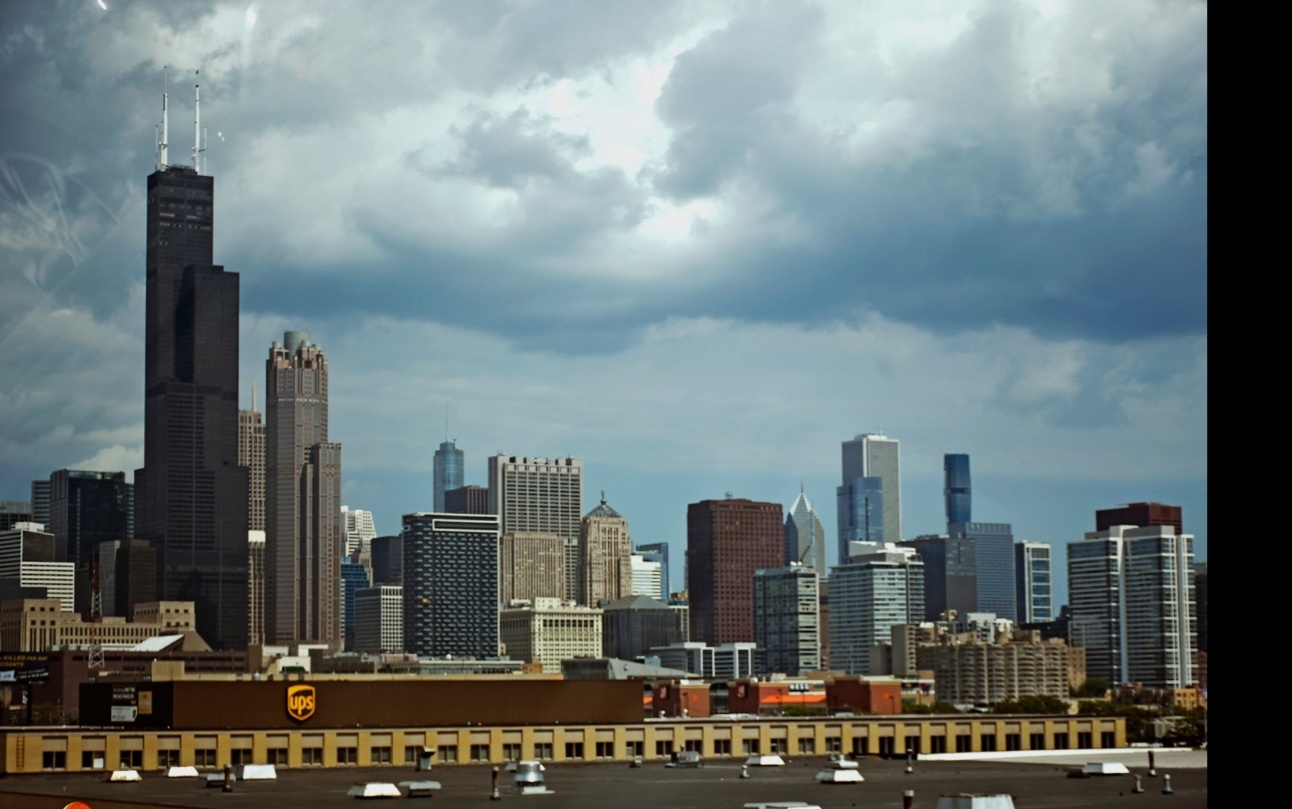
(549, 630)
(37, 625)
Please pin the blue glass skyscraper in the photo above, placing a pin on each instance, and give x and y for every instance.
(993, 544)
(956, 488)
(449, 463)
(354, 577)
(860, 513)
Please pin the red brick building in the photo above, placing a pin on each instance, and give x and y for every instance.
(727, 540)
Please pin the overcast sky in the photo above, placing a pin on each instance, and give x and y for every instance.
(695, 244)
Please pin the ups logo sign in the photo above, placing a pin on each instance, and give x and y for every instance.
(301, 701)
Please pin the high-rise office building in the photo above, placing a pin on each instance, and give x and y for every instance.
(787, 618)
(13, 512)
(191, 494)
(1133, 603)
(727, 540)
(541, 496)
(993, 544)
(251, 454)
(634, 624)
(950, 574)
(658, 552)
(354, 577)
(86, 508)
(956, 488)
(1141, 515)
(804, 535)
(359, 528)
(451, 585)
(255, 587)
(1033, 582)
(27, 561)
(467, 500)
(304, 540)
(881, 586)
(646, 577)
(40, 501)
(605, 550)
(387, 560)
(868, 457)
(1200, 598)
(379, 619)
(548, 631)
(134, 577)
(449, 465)
(531, 566)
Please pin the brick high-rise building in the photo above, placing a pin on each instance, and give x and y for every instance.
(727, 540)
(1141, 515)
(542, 496)
(531, 566)
(251, 454)
(467, 500)
(191, 494)
(304, 534)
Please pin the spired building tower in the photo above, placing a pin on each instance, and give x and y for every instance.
(304, 535)
(605, 556)
(449, 463)
(191, 494)
(804, 536)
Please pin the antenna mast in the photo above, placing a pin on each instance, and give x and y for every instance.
(163, 142)
(197, 125)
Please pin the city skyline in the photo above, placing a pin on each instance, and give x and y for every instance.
(619, 292)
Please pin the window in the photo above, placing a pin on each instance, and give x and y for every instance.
(937, 744)
(574, 749)
(511, 752)
(542, 750)
(479, 752)
(167, 758)
(410, 755)
(91, 759)
(636, 749)
(987, 742)
(1060, 741)
(242, 755)
(448, 753)
(130, 758)
(312, 757)
(964, 743)
(780, 747)
(694, 745)
(605, 749)
(380, 755)
(807, 747)
(1108, 738)
(277, 756)
(1085, 739)
(913, 745)
(663, 747)
(347, 755)
(55, 760)
(749, 747)
(834, 745)
(887, 746)
(722, 747)
(1013, 741)
(1036, 741)
(860, 745)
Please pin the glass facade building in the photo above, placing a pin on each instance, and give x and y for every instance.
(658, 552)
(449, 465)
(993, 544)
(860, 512)
(1033, 582)
(956, 488)
(450, 564)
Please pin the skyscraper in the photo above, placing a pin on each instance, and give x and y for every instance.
(993, 545)
(727, 540)
(1034, 582)
(86, 508)
(304, 540)
(804, 535)
(191, 494)
(540, 496)
(451, 585)
(1131, 591)
(449, 463)
(605, 550)
(950, 574)
(359, 528)
(1140, 515)
(881, 585)
(956, 488)
(251, 454)
(658, 552)
(787, 618)
(871, 475)
(531, 566)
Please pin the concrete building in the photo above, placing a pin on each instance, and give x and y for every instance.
(632, 625)
(40, 502)
(256, 587)
(27, 560)
(1140, 515)
(881, 585)
(728, 661)
(450, 564)
(13, 512)
(360, 530)
(950, 573)
(467, 500)
(605, 550)
(870, 496)
(191, 493)
(658, 552)
(1134, 607)
(531, 566)
(38, 625)
(379, 619)
(127, 575)
(540, 496)
(449, 466)
(1033, 582)
(805, 536)
(304, 538)
(251, 454)
(648, 578)
(387, 560)
(727, 540)
(548, 631)
(969, 671)
(787, 619)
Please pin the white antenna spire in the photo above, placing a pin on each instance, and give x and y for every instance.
(253, 397)
(197, 125)
(163, 142)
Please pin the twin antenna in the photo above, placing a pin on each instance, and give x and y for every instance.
(163, 136)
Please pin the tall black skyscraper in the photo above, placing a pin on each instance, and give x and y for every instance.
(956, 488)
(191, 495)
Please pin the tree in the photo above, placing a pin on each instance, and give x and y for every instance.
(1033, 703)
(1092, 687)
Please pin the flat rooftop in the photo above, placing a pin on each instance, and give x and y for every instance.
(714, 786)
